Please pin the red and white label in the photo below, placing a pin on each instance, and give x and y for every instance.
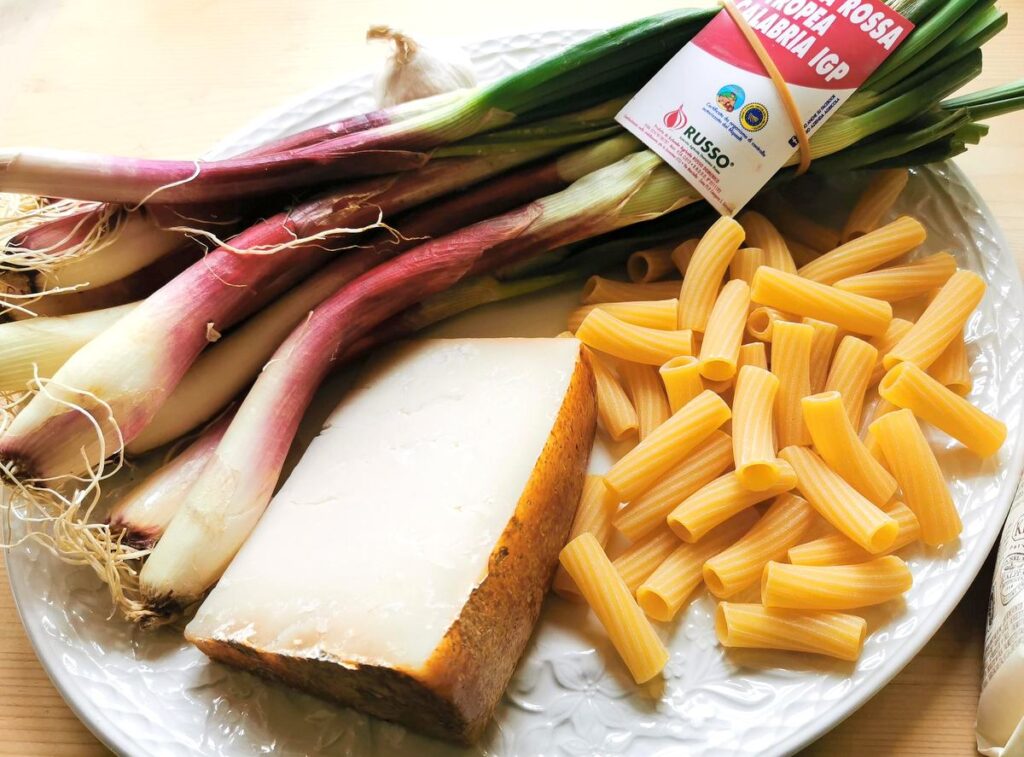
(714, 115)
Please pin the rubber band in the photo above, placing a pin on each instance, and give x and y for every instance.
(803, 141)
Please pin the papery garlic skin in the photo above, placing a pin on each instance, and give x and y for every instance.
(414, 70)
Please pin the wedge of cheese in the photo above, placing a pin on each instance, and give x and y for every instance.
(402, 566)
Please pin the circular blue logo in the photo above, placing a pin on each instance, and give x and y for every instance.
(730, 97)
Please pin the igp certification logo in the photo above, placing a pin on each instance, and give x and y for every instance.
(754, 117)
(675, 119)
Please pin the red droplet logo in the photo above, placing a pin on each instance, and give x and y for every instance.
(675, 119)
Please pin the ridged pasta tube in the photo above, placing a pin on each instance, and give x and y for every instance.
(671, 442)
(646, 266)
(666, 589)
(635, 344)
(791, 363)
(752, 626)
(782, 526)
(850, 374)
(753, 429)
(941, 322)
(875, 201)
(914, 466)
(867, 252)
(745, 263)
(760, 232)
(654, 314)
(648, 511)
(902, 282)
(723, 335)
(643, 384)
(629, 631)
(952, 368)
(842, 450)
(615, 411)
(599, 289)
(718, 501)
(681, 377)
(810, 299)
(836, 549)
(908, 386)
(834, 587)
(593, 516)
(839, 503)
(704, 274)
(822, 346)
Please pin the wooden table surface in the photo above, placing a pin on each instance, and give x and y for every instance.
(168, 79)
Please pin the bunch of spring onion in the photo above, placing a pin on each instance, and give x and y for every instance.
(404, 216)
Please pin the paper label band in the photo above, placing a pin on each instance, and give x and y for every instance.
(714, 115)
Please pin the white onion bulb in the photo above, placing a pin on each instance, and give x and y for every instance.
(416, 70)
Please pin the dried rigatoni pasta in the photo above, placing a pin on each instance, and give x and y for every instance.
(882, 407)
(719, 387)
(643, 384)
(663, 593)
(648, 511)
(745, 263)
(593, 516)
(704, 274)
(753, 354)
(671, 442)
(654, 314)
(791, 363)
(836, 549)
(682, 254)
(839, 503)
(952, 368)
(753, 428)
(898, 328)
(723, 335)
(901, 282)
(641, 558)
(875, 201)
(836, 440)
(908, 386)
(654, 264)
(867, 252)
(782, 526)
(614, 408)
(822, 346)
(834, 587)
(913, 463)
(850, 374)
(761, 233)
(681, 377)
(599, 289)
(861, 315)
(941, 322)
(802, 254)
(797, 226)
(761, 322)
(628, 629)
(913, 308)
(718, 501)
(755, 627)
(635, 344)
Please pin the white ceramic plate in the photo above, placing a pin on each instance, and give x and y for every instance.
(154, 694)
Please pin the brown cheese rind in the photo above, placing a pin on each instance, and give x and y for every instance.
(454, 695)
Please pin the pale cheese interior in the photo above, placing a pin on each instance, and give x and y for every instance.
(373, 545)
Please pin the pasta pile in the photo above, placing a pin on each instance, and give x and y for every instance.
(753, 464)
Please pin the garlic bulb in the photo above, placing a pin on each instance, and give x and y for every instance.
(415, 70)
